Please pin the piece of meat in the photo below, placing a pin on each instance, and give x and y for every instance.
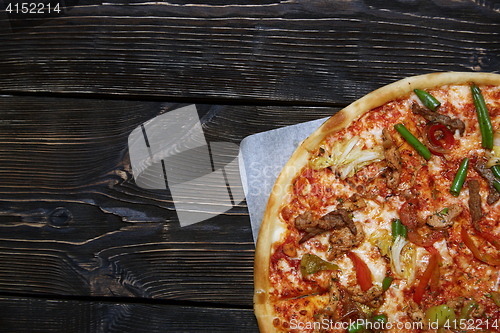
(393, 180)
(487, 174)
(343, 240)
(310, 234)
(453, 123)
(333, 300)
(332, 220)
(393, 159)
(391, 151)
(314, 227)
(355, 202)
(334, 297)
(305, 221)
(444, 220)
(329, 311)
(475, 201)
(373, 297)
(336, 219)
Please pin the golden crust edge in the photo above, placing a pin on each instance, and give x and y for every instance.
(343, 118)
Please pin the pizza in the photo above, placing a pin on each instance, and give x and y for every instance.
(386, 218)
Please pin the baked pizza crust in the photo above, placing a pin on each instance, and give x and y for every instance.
(271, 221)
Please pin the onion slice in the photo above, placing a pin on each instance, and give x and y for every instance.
(347, 157)
(396, 256)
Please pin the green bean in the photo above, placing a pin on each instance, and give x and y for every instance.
(496, 184)
(395, 229)
(398, 229)
(427, 99)
(386, 283)
(413, 141)
(459, 180)
(496, 180)
(496, 170)
(483, 117)
(404, 231)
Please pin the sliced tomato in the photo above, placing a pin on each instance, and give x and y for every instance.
(438, 138)
(426, 278)
(484, 257)
(491, 238)
(436, 274)
(363, 273)
(427, 239)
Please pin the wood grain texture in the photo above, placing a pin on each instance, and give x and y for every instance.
(292, 51)
(55, 315)
(74, 223)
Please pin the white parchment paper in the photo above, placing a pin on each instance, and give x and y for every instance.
(262, 156)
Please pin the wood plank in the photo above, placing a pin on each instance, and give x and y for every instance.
(293, 51)
(73, 222)
(57, 315)
(191, 271)
(76, 151)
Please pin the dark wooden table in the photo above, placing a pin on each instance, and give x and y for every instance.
(82, 247)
